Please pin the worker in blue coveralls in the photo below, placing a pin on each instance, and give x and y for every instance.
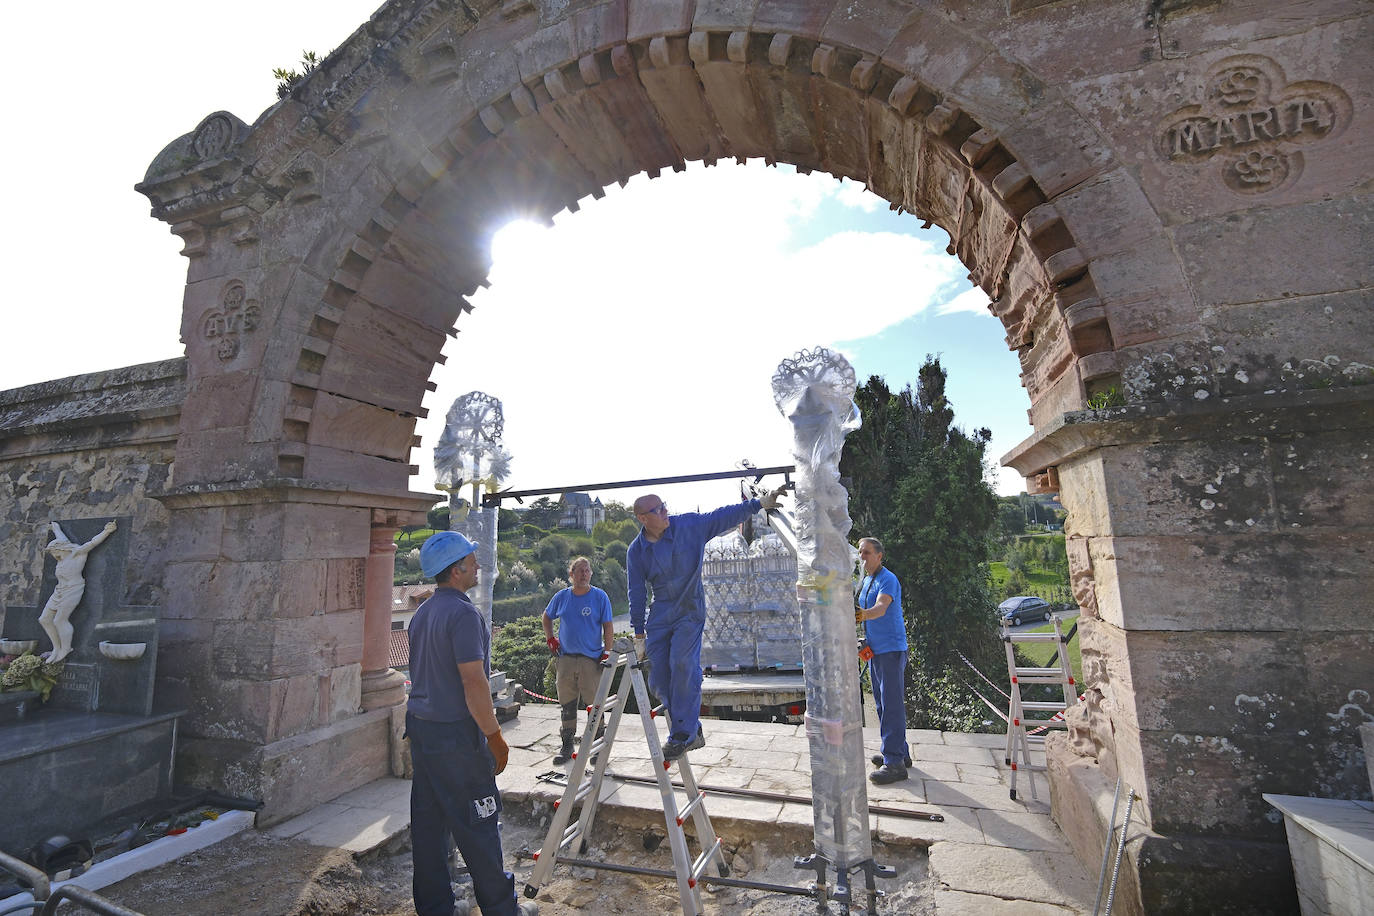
(455, 742)
(585, 635)
(880, 611)
(667, 556)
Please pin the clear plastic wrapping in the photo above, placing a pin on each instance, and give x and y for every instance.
(470, 454)
(814, 390)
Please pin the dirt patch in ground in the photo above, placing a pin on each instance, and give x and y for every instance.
(253, 874)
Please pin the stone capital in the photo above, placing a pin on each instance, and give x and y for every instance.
(1079, 432)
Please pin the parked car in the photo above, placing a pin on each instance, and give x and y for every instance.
(1024, 607)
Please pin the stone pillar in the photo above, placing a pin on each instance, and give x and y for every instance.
(1220, 554)
(382, 684)
(262, 640)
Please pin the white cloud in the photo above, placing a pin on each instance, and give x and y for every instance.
(970, 300)
(637, 337)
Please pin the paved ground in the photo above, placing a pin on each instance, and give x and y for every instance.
(990, 856)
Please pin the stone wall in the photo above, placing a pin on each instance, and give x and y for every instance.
(88, 446)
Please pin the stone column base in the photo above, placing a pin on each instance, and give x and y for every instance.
(294, 774)
(384, 688)
(1159, 874)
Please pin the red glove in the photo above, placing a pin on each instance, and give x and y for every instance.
(554, 645)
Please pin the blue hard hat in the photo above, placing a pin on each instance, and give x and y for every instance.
(442, 550)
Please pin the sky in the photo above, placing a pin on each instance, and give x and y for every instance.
(635, 338)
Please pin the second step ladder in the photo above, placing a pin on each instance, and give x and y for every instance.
(584, 789)
(1019, 740)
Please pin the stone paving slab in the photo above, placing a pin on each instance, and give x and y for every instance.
(958, 903)
(1021, 830)
(1013, 874)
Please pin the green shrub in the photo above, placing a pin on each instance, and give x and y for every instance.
(553, 548)
(506, 610)
(582, 547)
(520, 651)
(615, 550)
(629, 530)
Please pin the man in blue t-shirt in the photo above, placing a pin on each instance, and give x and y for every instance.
(667, 556)
(880, 611)
(584, 639)
(456, 746)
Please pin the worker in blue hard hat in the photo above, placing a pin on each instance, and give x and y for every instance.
(455, 742)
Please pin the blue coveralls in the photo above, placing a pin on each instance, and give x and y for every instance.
(453, 792)
(672, 566)
(887, 639)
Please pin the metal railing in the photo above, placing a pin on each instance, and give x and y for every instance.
(46, 900)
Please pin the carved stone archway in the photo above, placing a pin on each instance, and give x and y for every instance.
(1130, 188)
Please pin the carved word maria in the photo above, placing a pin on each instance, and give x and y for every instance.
(1205, 134)
(236, 318)
(1254, 121)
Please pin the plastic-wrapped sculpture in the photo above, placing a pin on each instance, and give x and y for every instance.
(814, 390)
(470, 453)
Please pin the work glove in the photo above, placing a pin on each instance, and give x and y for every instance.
(554, 645)
(640, 651)
(769, 500)
(858, 615)
(499, 750)
(605, 657)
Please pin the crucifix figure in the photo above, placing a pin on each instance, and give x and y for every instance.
(71, 585)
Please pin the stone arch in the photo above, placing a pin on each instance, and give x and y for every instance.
(354, 218)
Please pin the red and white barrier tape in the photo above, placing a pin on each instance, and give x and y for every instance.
(538, 696)
(1057, 717)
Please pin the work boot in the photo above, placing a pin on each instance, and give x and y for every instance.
(675, 748)
(566, 754)
(877, 760)
(887, 773)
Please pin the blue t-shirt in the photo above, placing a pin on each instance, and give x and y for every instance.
(581, 631)
(672, 564)
(888, 632)
(446, 631)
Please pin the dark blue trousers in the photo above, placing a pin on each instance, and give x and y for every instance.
(674, 651)
(887, 670)
(454, 795)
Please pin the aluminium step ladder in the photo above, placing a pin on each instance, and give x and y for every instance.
(1019, 740)
(585, 789)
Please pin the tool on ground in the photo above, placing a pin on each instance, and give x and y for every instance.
(585, 789)
(1018, 740)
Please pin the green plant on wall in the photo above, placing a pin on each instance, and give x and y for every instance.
(287, 79)
(1108, 397)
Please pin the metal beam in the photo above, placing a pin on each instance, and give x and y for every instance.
(494, 499)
